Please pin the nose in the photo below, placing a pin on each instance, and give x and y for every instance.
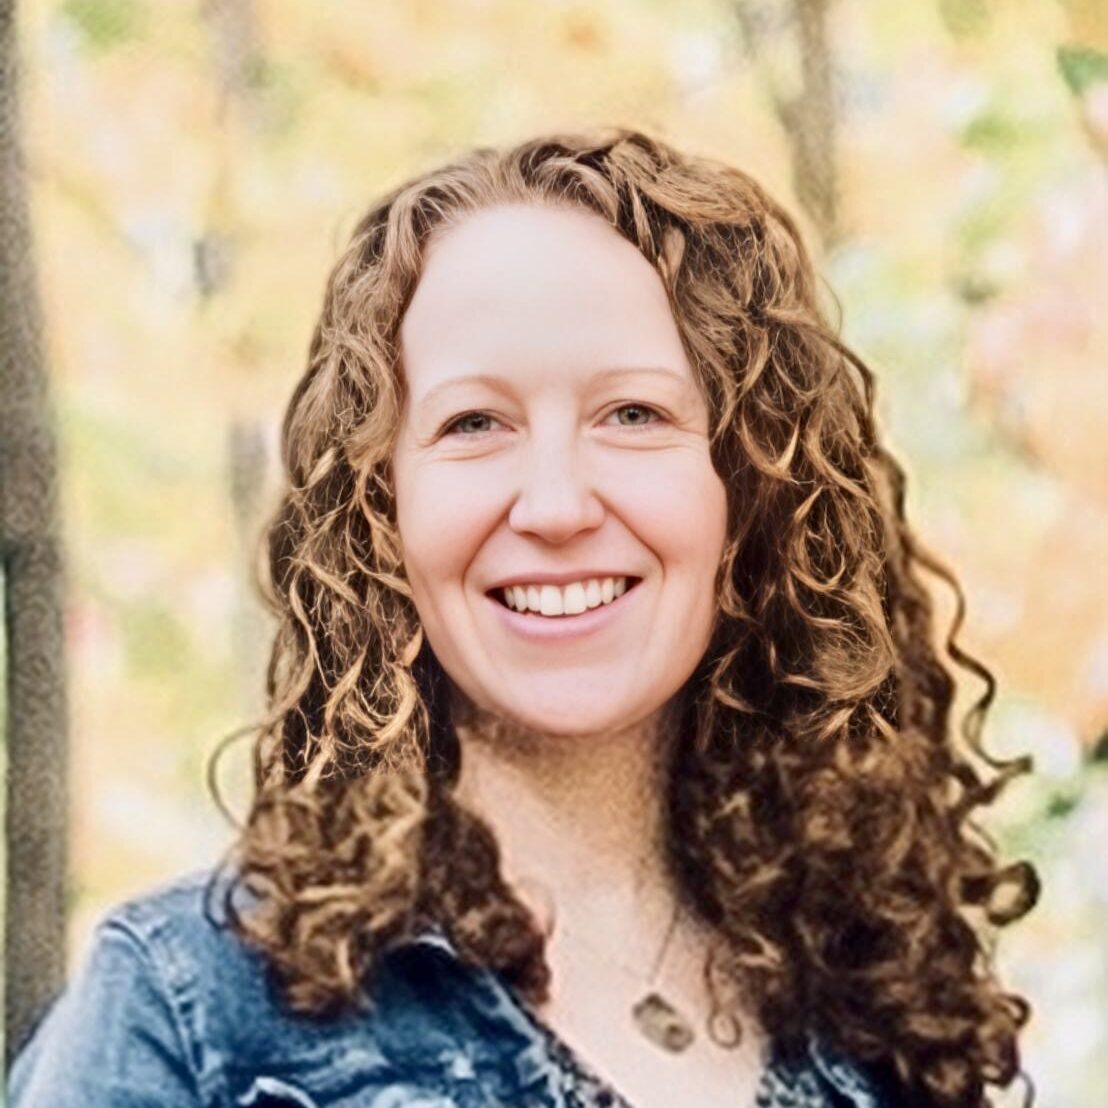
(556, 498)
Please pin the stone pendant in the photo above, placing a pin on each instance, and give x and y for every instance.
(662, 1024)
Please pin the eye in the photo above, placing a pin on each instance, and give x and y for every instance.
(640, 411)
(467, 419)
(469, 424)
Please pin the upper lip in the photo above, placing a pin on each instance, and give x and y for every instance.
(558, 578)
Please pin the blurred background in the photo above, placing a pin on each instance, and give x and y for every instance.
(191, 172)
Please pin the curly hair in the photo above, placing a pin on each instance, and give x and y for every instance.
(819, 803)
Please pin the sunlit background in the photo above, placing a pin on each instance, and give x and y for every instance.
(195, 167)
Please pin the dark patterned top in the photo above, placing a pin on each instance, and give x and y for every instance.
(780, 1086)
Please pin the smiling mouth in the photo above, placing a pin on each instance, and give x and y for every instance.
(498, 596)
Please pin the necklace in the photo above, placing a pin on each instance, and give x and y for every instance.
(655, 1016)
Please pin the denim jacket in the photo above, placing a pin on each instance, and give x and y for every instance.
(169, 1010)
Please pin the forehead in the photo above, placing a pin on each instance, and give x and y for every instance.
(534, 289)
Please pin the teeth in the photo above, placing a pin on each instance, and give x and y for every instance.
(552, 600)
(570, 600)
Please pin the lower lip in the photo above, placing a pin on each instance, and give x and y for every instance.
(559, 628)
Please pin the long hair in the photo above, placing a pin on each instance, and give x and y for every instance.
(820, 801)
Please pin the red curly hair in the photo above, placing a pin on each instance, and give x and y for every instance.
(819, 801)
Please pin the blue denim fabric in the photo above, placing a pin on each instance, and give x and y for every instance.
(169, 1011)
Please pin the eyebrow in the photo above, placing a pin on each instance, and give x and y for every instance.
(497, 382)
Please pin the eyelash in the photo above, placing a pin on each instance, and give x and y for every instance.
(448, 429)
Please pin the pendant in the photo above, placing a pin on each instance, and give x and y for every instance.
(662, 1024)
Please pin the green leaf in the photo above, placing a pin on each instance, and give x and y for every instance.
(1082, 67)
(107, 23)
(991, 131)
(964, 18)
(1061, 804)
(1099, 753)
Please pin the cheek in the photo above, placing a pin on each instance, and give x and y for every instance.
(682, 516)
(442, 522)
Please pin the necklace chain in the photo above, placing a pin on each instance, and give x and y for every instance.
(659, 958)
(655, 1016)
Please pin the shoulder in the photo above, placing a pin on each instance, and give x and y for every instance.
(182, 932)
(170, 1000)
(116, 1033)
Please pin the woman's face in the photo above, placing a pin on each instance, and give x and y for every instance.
(554, 435)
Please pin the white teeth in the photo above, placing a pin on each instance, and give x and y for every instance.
(551, 600)
(572, 599)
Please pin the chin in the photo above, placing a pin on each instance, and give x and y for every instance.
(569, 716)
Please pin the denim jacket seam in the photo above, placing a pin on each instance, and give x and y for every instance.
(178, 986)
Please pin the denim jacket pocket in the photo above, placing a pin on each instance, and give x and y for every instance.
(364, 1079)
(275, 1092)
(269, 1092)
(316, 1078)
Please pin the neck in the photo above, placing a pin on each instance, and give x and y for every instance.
(579, 820)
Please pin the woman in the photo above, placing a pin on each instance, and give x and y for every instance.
(609, 758)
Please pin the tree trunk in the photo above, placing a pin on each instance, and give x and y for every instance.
(31, 557)
(786, 38)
